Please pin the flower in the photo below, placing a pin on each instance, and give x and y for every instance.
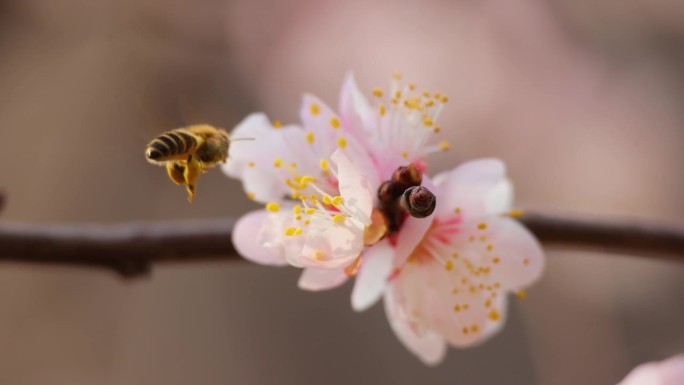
(345, 195)
(668, 372)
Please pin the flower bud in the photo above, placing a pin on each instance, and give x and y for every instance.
(418, 201)
(389, 191)
(407, 176)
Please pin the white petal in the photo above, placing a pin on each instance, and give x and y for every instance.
(668, 372)
(519, 256)
(324, 135)
(247, 244)
(328, 245)
(372, 277)
(474, 189)
(355, 111)
(315, 279)
(355, 186)
(428, 346)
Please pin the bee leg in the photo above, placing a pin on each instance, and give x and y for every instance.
(175, 172)
(192, 172)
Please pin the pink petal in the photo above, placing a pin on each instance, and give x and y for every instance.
(355, 111)
(668, 372)
(319, 124)
(429, 347)
(246, 241)
(474, 189)
(315, 279)
(373, 276)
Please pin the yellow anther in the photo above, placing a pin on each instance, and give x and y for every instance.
(457, 210)
(298, 217)
(457, 308)
(474, 328)
(277, 162)
(482, 226)
(297, 209)
(309, 210)
(427, 122)
(338, 218)
(382, 109)
(396, 75)
(272, 207)
(314, 199)
(298, 231)
(292, 184)
(448, 266)
(250, 195)
(341, 142)
(397, 94)
(310, 137)
(335, 122)
(465, 330)
(315, 109)
(488, 303)
(277, 124)
(444, 145)
(430, 103)
(250, 164)
(494, 315)
(327, 200)
(324, 164)
(444, 99)
(526, 261)
(426, 94)
(303, 181)
(489, 247)
(293, 165)
(455, 255)
(405, 154)
(521, 294)
(496, 260)
(412, 86)
(515, 213)
(290, 231)
(436, 130)
(377, 92)
(307, 221)
(336, 201)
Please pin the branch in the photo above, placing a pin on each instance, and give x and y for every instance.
(132, 249)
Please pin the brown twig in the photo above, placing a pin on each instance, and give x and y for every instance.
(131, 249)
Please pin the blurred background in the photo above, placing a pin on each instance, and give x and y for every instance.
(581, 98)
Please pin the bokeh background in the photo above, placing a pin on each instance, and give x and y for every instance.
(582, 98)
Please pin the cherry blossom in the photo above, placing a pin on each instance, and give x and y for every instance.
(668, 372)
(346, 195)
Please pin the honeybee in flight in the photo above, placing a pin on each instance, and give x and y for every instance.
(188, 152)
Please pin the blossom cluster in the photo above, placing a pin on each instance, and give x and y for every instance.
(346, 194)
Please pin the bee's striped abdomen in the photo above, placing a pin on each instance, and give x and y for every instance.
(170, 145)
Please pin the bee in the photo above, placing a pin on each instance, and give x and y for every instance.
(188, 152)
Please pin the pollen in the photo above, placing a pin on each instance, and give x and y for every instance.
(427, 122)
(436, 129)
(494, 315)
(309, 211)
(297, 209)
(277, 162)
(327, 200)
(342, 142)
(336, 201)
(496, 260)
(324, 164)
(405, 154)
(526, 261)
(377, 92)
(310, 137)
(290, 231)
(482, 226)
(250, 164)
(272, 207)
(250, 195)
(335, 122)
(474, 328)
(465, 330)
(443, 99)
(277, 124)
(457, 308)
(489, 247)
(448, 266)
(338, 219)
(298, 231)
(457, 210)
(315, 109)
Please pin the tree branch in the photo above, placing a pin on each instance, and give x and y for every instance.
(132, 249)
